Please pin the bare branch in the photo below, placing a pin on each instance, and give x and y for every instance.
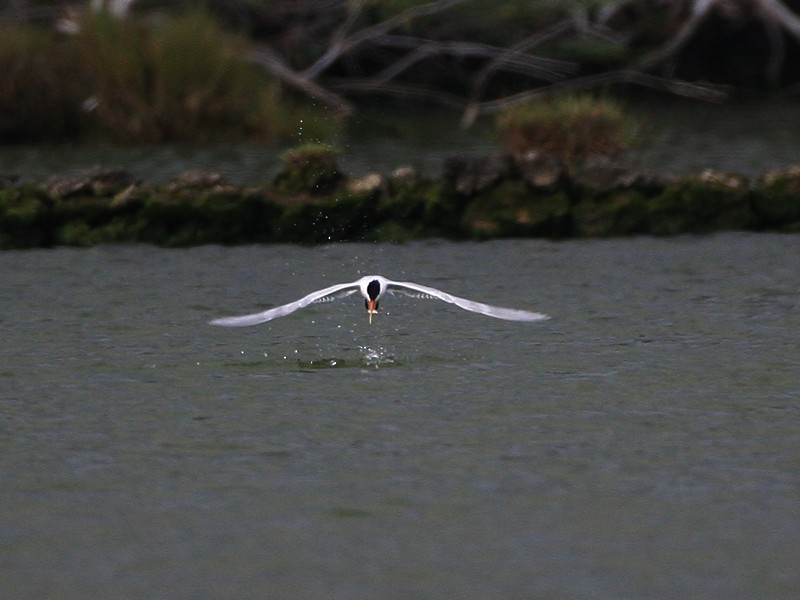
(274, 64)
(775, 10)
(516, 60)
(544, 68)
(349, 22)
(511, 56)
(700, 8)
(344, 45)
(777, 45)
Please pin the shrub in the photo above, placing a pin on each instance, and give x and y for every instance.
(310, 168)
(569, 127)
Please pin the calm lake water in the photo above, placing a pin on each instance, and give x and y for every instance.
(748, 138)
(643, 443)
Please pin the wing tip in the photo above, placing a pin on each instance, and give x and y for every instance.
(533, 317)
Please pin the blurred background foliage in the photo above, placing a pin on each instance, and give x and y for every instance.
(213, 70)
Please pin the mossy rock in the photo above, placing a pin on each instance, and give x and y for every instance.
(776, 199)
(470, 175)
(208, 219)
(25, 217)
(621, 212)
(428, 208)
(94, 210)
(90, 220)
(311, 168)
(394, 231)
(511, 210)
(97, 181)
(709, 202)
(81, 233)
(346, 216)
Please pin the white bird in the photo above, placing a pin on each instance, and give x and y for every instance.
(373, 288)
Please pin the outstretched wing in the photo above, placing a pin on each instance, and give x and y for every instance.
(335, 291)
(498, 312)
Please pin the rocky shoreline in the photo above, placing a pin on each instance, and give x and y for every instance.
(475, 198)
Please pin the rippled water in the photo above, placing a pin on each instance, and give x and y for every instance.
(644, 443)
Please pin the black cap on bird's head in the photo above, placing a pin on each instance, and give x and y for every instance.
(371, 303)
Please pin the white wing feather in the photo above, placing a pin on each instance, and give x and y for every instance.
(498, 312)
(338, 290)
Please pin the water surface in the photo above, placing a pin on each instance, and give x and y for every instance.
(644, 443)
(680, 137)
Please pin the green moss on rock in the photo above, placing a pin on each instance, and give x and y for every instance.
(201, 208)
(418, 208)
(25, 217)
(344, 216)
(511, 209)
(624, 212)
(208, 219)
(311, 168)
(776, 199)
(709, 202)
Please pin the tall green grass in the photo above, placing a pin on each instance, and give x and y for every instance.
(123, 81)
(185, 79)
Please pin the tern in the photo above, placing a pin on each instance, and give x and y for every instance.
(373, 288)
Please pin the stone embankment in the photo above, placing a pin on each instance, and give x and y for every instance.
(312, 202)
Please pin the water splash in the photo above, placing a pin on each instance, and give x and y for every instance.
(367, 358)
(376, 357)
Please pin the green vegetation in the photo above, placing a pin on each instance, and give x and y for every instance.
(779, 204)
(309, 168)
(119, 80)
(201, 208)
(569, 127)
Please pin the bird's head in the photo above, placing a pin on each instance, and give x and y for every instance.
(372, 296)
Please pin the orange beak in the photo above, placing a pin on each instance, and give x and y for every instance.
(371, 309)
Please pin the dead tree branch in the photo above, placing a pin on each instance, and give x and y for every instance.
(776, 11)
(401, 53)
(509, 58)
(546, 69)
(700, 9)
(275, 65)
(344, 44)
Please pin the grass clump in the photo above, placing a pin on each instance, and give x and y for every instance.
(311, 167)
(569, 127)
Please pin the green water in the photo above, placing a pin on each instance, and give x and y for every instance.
(644, 443)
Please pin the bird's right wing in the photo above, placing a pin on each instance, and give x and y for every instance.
(498, 312)
(329, 293)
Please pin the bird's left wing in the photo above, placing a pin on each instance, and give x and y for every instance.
(335, 291)
(498, 312)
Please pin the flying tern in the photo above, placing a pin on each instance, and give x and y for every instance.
(373, 288)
